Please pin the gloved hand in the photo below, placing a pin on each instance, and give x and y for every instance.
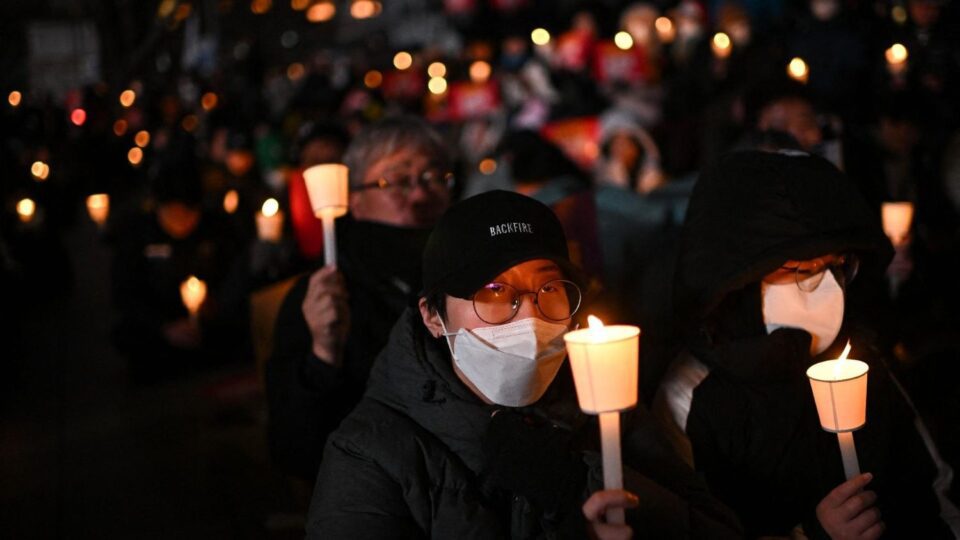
(528, 456)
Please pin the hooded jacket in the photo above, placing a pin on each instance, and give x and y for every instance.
(415, 460)
(751, 422)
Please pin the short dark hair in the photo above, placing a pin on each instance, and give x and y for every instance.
(437, 303)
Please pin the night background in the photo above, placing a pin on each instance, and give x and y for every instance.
(105, 434)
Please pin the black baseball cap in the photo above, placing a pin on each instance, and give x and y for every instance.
(482, 236)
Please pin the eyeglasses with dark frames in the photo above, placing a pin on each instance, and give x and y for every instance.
(497, 303)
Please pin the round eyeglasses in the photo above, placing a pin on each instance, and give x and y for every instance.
(497, 303)
(432, 179)
(808, 276)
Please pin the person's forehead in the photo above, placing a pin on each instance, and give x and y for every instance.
(535, 267)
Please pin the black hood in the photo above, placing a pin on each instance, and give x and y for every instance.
(752, 211)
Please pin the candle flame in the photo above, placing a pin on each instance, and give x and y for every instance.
(841, 360)
(594, 322)
(270, 207)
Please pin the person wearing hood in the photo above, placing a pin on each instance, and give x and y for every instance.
(334, 321)
(770, 246)
(470, 426)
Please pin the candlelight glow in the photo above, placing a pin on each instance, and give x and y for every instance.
(230, 201)
(479, 71)
(365, 9)
(40, 170)
(295, 71)
(120, 128)
(193, 291)
(26, 209)
(299, 5)
(321, 12)
(665, 29)
(208, 101)
(135, 156)
(437, 69)
(798, 71)
(127, 97)
(98, 206)
(437, 85)
(594, 322)
(78, 117)
(540, 36)
(402, 60)
(142, 138)
(259, 7)
(897, 54)
(270, 207)
(13, 98)
(721, 45)
(488, 166)
(623, 40)
(373, 79)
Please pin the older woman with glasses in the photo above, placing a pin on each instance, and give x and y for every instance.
(770, 247)
(470, 428)
(334, 321)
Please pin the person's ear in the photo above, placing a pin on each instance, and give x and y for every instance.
(431, 319)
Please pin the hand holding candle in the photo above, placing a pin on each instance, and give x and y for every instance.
(193, 292)
(270, 221)
(328, 188)
(840, 392)
(604, 360)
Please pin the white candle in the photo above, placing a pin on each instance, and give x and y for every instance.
(270, 221)
(604, 361)
(193, 292)
(897, 56)
(897, 218)
(721, 46)
(840, 392)
(98, 206)
(328, 189)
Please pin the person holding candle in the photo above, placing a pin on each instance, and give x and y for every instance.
(154, 252)
(470, 425)
(334, 321)
(763, 280)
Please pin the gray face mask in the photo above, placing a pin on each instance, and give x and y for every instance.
(510, 364)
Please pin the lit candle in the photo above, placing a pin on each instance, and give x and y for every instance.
(721, 45)
(797, 70)
(270, 221)
(98, 206)
(897, 56)
(328, 189)
(897, 218)
(604, 361)
(193, 292)
(26, 208)
(840, 392)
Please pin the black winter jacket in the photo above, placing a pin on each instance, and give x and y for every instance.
(752, 422)
(414, 460)
(308, 398)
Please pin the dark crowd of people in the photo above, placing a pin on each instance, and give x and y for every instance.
(718, 173)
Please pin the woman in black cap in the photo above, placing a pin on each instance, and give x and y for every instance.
(470, 427)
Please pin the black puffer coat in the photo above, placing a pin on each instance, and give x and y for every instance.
(752, 422)
(410, 462)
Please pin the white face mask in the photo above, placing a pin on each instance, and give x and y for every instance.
(819, 312)
(510, 364)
